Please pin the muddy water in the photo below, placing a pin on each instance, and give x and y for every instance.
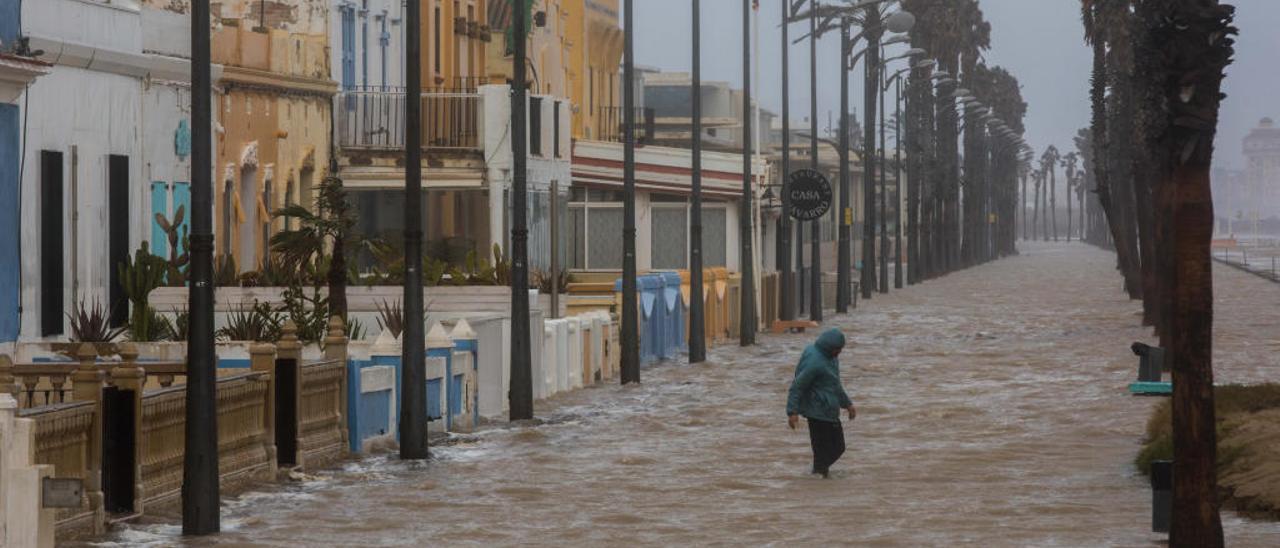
(992, 412)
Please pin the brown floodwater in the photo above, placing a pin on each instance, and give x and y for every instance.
(992, 411)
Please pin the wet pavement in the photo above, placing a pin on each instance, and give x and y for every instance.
(992, 411)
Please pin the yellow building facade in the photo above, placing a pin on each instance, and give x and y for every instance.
(574, 51)
(274, 106)
(455, 38)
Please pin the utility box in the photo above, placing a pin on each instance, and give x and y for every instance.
(1161, 495)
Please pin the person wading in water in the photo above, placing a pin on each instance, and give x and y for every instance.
(817, 395)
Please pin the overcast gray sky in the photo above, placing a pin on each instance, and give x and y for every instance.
(1040, 41)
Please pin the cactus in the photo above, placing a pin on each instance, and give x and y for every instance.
(138, 277)
(176, 276)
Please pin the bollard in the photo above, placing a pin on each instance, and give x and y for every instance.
(1161, 495)
(7, 385)
(129, 379)
(262, 358)
(335, 348)
(86, 385)
(1150, 363)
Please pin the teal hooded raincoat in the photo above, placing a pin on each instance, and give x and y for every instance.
(816, 392)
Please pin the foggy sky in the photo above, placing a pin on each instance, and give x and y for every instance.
(1039, 41)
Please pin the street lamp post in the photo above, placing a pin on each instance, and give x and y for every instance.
(788, 295)
(815, 246)
(630, 315)
(413, 427)
(873, 32)
(897, 164)
(697, 334)
(521, 369)
(747, 310)
(843, 265)
(200, 489)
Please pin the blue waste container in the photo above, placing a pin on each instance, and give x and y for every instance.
(675, 309)
(651, 326)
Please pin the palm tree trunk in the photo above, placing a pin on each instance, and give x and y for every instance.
(1022, 205)
(1070, 177)
(1035, 217)
(1193, 38)
(1053, 201)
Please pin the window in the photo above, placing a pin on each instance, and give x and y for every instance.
(670, 237)
(715, 236)
(290, 198)
(436, 50)
(268, 207)
(555, 121)
(535, 126)
(117, 235)
(51, 242)
(348, 47)
(596, 237)
(227, 197)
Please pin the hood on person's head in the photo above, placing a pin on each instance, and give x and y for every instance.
(830, 341)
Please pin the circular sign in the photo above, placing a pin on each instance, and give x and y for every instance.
(810, 195)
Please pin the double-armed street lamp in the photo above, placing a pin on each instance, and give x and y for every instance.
(868, 14)
(896, 81)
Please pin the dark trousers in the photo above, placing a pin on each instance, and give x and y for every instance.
(828, 444)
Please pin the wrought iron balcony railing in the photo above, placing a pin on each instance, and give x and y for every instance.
(609, 122)
(375, 119)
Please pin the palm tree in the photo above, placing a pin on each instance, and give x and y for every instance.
(1049, 163)
(1191, 45)
(1038, 176)
(1069, 162)
(329, 229)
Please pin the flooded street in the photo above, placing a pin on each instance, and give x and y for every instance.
(992, 411)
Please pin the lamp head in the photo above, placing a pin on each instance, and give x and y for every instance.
(900, 22)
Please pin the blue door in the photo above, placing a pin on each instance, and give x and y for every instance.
(159, 207)
(433, 399)
(10, 219)
(182, 199)
(348, 47)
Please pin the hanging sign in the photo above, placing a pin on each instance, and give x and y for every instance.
(810, 194)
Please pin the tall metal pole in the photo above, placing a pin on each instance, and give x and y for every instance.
(630, 317)
(884, 185)
(872, 32)
(747, 310)
(788, 304)
(521, 368)
(413, 403)
(897, 166)
(200, 489)
(843, 265)
(815, 246)
(697, 319)
(555, 249)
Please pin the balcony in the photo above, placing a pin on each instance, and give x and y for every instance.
(610, 120)
(375, 119)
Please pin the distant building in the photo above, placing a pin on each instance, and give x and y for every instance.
(1260, 197)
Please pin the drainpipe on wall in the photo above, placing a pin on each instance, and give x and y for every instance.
(75, 225)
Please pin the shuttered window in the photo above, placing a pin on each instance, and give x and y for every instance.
(117, 235)
(51, 242)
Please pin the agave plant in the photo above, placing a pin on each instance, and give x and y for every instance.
(258, 323)
(225, 273)
(391, 318)
(93, 325)
(177, 329)
(543, 281)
